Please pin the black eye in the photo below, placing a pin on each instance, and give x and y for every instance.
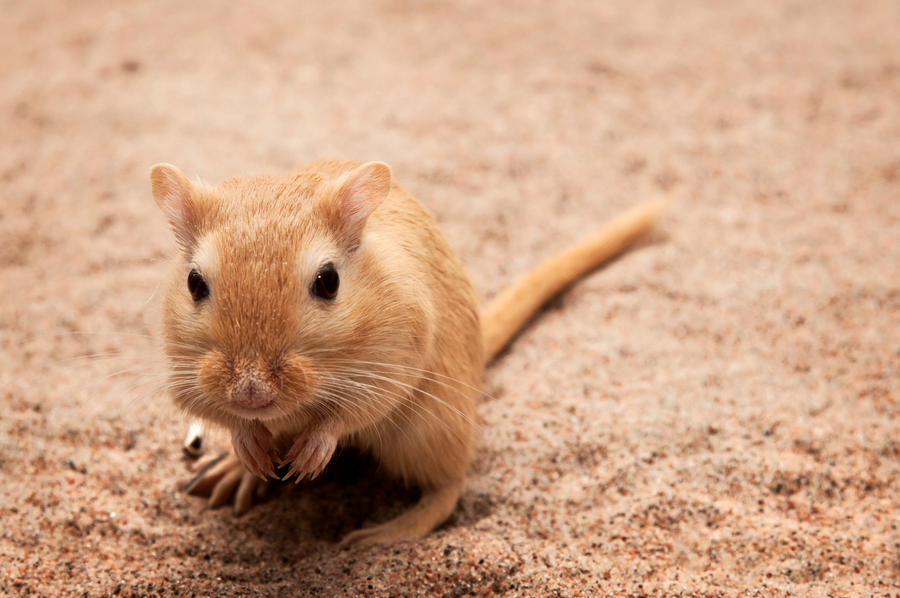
(197, 286)
(326, 283)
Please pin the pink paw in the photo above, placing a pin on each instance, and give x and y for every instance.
(253, 445)
(309, 454)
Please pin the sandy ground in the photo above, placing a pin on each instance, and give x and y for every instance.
(714, 413)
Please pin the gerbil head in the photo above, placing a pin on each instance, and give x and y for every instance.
(275, 288)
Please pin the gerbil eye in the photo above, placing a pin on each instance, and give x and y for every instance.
(326, 283)
(197, 286)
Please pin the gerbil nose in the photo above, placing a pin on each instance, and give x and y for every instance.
(251, 393)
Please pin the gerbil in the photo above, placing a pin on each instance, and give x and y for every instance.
(325, 307)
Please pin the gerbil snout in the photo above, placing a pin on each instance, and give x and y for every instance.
(252, 392)
(275, 386)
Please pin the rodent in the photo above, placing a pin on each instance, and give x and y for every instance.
(324, 307)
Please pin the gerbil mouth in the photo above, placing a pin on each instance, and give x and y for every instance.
(255, 387)
(267, 413)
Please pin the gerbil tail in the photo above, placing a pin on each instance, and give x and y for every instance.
(512, 308)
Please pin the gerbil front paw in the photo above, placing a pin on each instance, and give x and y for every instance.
(309, 454)
(224, 476)
(253, 445)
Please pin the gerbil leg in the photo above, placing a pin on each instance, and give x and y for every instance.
(220, 476)
(431, 510)
(254, 446)
(310, 453)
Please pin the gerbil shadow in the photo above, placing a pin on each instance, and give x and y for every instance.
(351, 493)
(306, 518)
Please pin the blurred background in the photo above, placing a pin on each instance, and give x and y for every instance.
(715, 412)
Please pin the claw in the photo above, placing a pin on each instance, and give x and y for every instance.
(309, 455)
(250, 487)
(225, 488)
(292, 471)
(205, 468)
(223, 477)
(255, 448)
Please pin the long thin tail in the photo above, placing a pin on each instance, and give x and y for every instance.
(512, 308)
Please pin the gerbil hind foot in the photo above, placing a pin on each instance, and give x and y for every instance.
(431, 510)
(222, 477)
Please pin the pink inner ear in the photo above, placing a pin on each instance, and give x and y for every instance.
(362, 192)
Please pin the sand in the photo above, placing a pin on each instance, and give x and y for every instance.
(715, 413)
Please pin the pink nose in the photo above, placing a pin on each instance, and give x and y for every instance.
(251, 393)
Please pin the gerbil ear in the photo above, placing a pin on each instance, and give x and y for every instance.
(172, 192)
(361, 191)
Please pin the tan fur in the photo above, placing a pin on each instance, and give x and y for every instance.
(392, 365)
(512, 308)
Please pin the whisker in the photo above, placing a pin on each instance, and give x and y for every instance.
(371, 375)
(406, 400)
